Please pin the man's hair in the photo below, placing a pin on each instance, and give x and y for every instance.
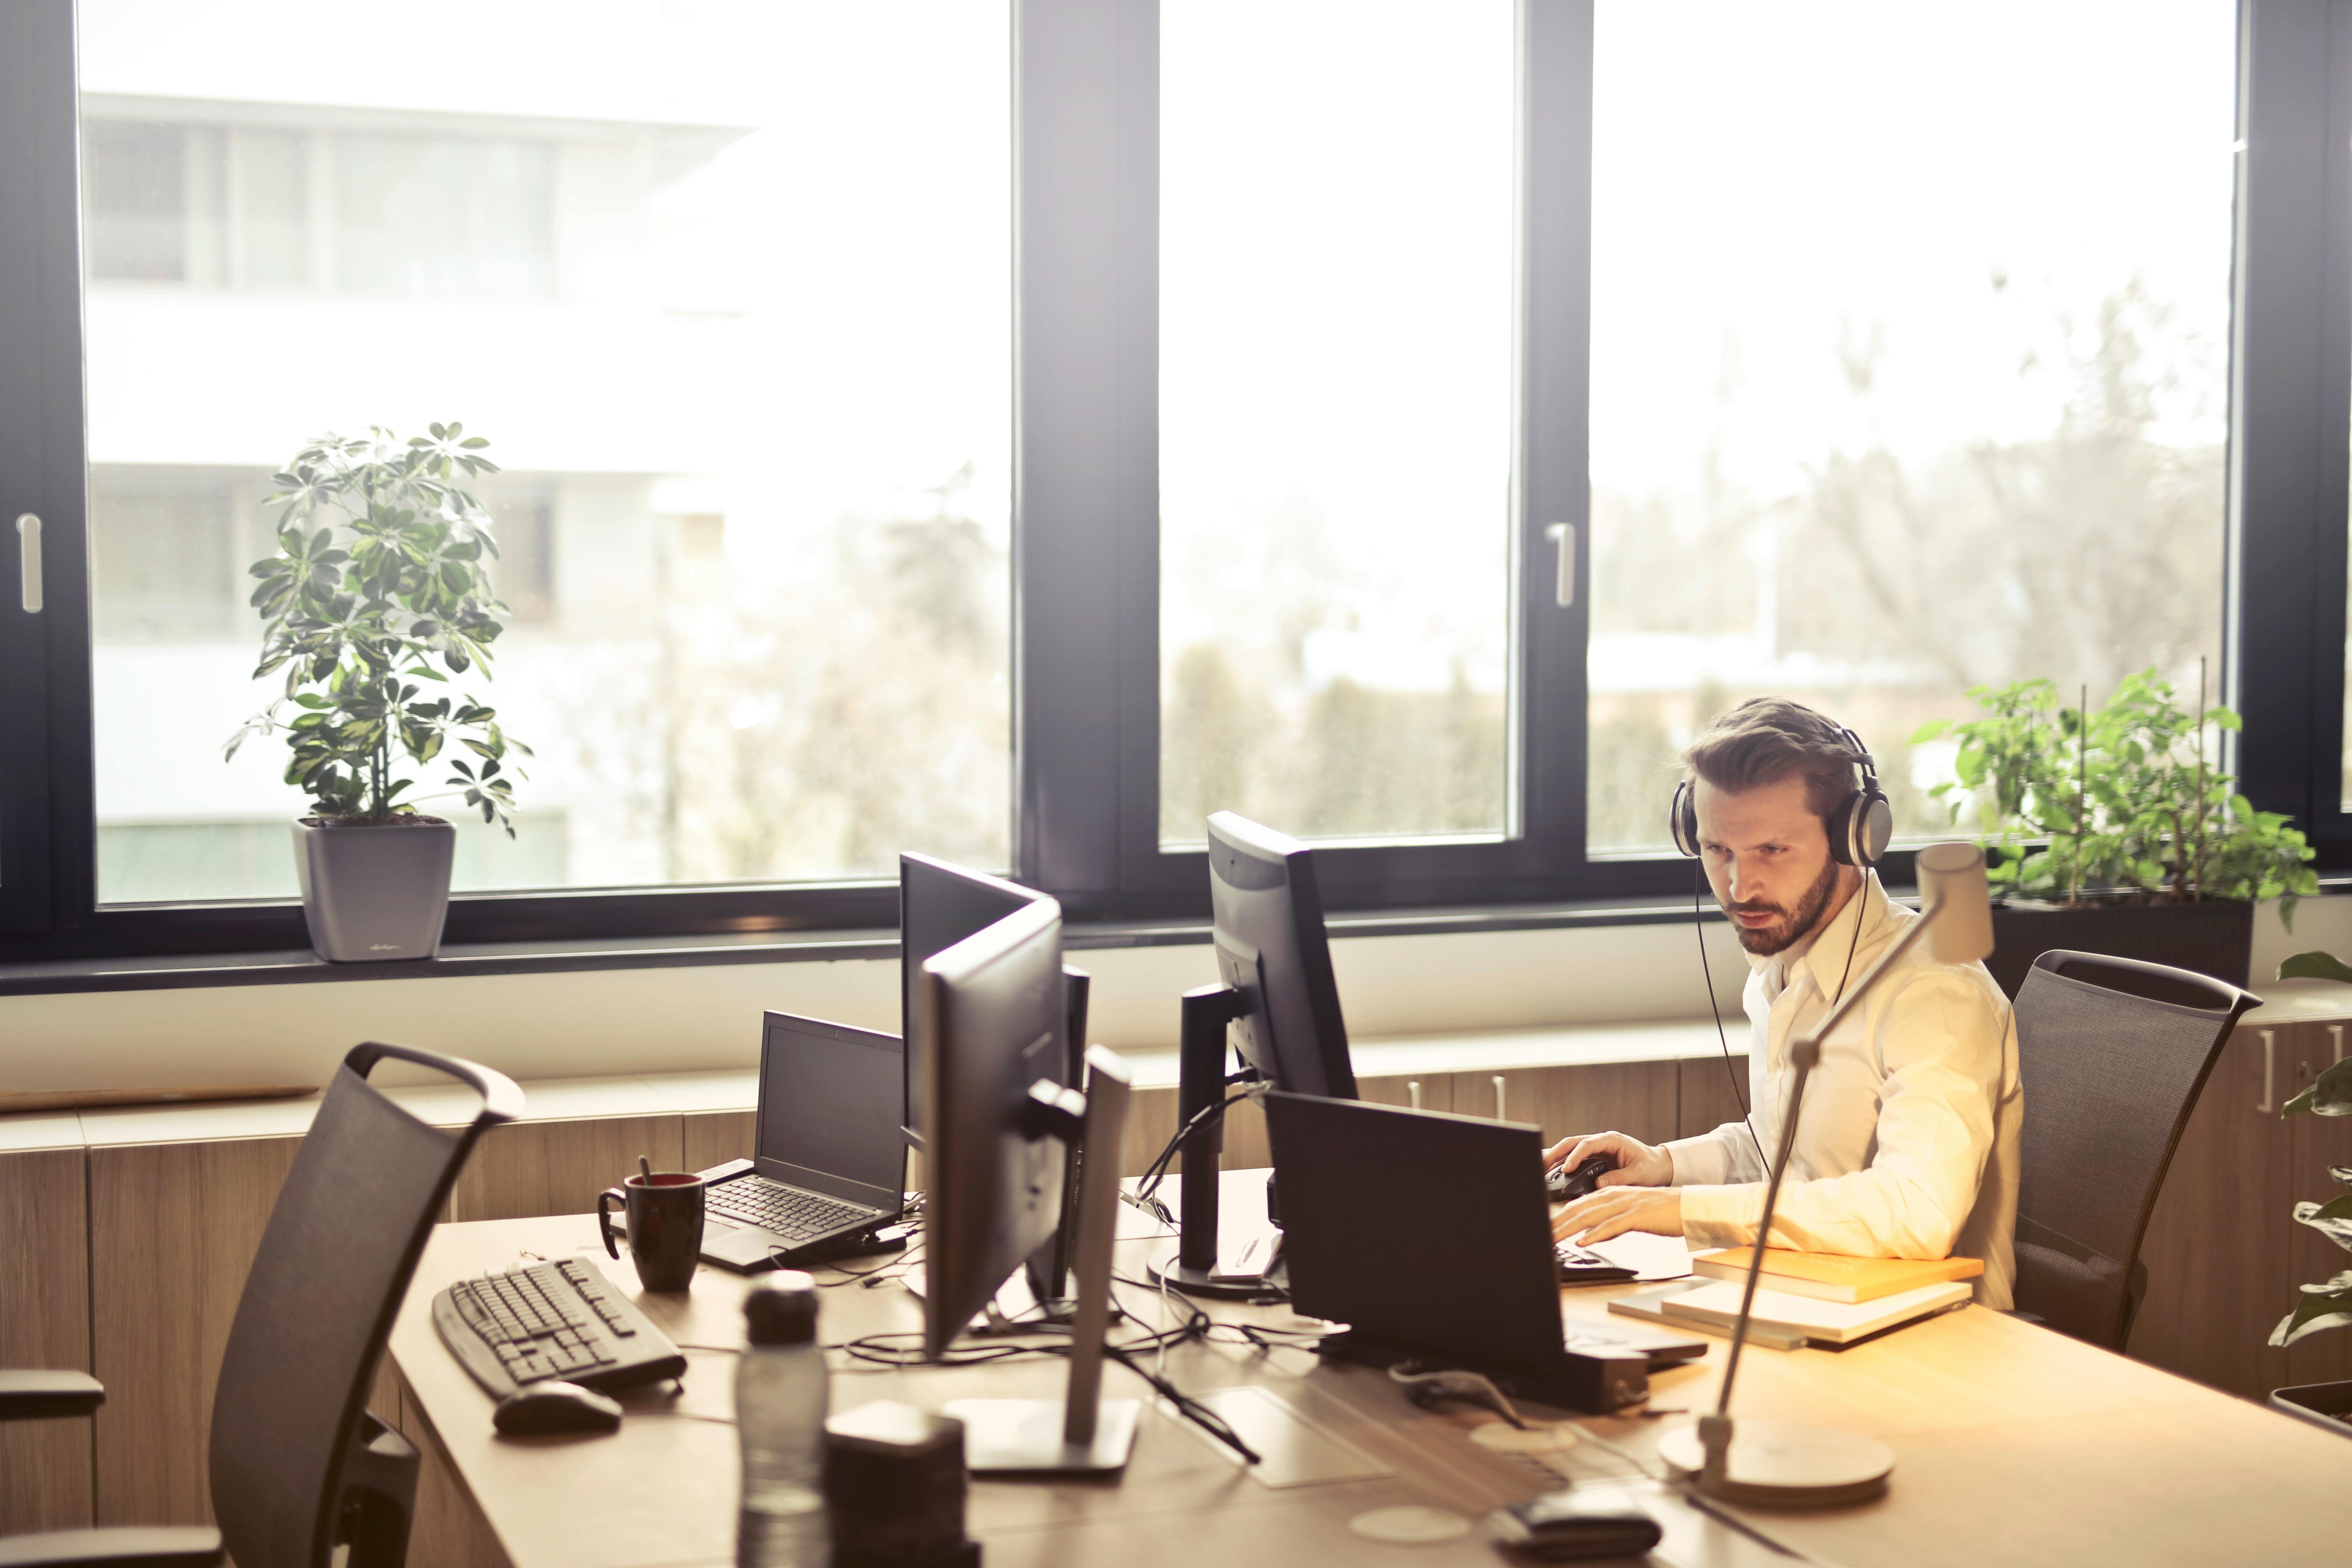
(1767, 739)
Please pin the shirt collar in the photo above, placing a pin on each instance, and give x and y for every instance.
(1833, 942)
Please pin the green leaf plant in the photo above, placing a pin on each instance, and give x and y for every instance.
(380, 576)
(2327, 1305)
(2118, 802)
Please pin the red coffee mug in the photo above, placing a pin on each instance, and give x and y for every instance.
(665, 1220)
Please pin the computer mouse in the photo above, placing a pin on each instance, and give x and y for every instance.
(1563, 1185)
(549, 1407)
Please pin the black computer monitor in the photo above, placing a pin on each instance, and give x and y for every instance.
(1268, 931)
(988, 1025)
(940, 904)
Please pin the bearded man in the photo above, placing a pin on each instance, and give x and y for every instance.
(1907, 1146)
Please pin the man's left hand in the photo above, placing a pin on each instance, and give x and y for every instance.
(1613, 1211)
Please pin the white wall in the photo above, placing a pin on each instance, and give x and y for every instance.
(616, 1021)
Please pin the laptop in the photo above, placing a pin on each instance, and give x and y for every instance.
(1428, 1236)
(826, 1159)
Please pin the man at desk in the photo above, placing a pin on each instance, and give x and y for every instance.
(1908, 1143)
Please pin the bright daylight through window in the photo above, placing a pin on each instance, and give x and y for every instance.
(1336, 272)
(726, 286)
(1909, 360)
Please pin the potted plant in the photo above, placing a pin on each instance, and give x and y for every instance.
(380, 577)
(2327, 1305)
(2111, 831)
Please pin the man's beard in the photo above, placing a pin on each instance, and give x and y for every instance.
(1766, 941)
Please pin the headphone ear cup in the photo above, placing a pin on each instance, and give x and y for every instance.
(1873, 827)
(1682, 820)
(1841, 826)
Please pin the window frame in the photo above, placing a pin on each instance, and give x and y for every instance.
(1085, 647)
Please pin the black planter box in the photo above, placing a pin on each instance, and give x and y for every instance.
(2215, 938)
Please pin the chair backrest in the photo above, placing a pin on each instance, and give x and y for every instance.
(2112, 1053)
(343, 1241)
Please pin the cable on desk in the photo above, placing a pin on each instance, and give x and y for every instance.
(1158, 1169)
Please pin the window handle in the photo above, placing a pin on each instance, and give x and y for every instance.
(28, 560)
(1412, 1088)
(2336, 1034)
(1564, 535)
(1498, 1099)
(2270, 1074)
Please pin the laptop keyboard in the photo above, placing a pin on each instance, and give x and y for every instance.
(787, 1210)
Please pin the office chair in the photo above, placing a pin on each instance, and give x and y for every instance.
(298, 1467)
(2112, 1053)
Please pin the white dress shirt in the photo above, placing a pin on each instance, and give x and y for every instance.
(1907, 1143)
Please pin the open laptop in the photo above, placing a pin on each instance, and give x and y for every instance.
(1428, 1234)
(826, 1158)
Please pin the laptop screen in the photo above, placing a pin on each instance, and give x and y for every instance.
(829, 1101)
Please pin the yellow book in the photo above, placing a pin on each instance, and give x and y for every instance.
(1833, 1277)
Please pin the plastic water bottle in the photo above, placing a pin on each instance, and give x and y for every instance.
(781, 1403)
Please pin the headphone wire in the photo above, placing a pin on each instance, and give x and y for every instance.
(1699, 925)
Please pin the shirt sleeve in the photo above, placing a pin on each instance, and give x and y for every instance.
(1941, 1040)
(1727, 1154)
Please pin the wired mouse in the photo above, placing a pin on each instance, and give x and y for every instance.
(545, 1408)
(1565, 1187)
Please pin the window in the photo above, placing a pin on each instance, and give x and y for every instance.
(738, 337)
(1015, 433)
(1904, 381)
(1336, 323)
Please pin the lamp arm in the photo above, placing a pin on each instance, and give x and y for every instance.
(1804, 1054)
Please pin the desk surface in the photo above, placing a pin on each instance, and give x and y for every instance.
(2015, 1445)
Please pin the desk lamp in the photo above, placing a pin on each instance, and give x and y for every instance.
(1788, 1464)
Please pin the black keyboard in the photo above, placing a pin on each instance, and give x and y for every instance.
(788, 1211)
(1582, 1266)
(552, 1320)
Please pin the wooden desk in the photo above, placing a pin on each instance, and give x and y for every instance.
(2016, 1446)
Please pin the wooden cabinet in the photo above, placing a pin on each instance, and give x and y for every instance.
(1633, 1098)
(1711, 1094)
(45, 1470)
(2223, 1252)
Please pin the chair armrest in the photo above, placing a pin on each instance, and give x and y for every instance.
(181, 1547)
(33, 1395)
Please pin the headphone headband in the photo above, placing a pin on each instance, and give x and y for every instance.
(1859, 829)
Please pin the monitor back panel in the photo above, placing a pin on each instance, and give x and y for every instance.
(1424, 1231)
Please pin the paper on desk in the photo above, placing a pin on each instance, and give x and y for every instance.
(1652, 1257)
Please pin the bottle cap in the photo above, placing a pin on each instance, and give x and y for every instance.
(782, 1310)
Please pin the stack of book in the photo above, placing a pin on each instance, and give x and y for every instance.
(1807, 1297)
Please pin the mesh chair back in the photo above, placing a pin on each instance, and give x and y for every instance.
(2112, 1053)
(335, 1261)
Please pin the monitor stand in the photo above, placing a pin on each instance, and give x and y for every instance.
(1082, 1433)
(1191, 1266)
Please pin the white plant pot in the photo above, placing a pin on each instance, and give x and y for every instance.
(374, 893)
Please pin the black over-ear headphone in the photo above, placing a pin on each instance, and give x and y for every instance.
(1859, 829)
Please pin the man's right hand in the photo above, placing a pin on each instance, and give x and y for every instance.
(1638, 1165)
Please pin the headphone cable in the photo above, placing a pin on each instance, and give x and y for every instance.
(1699, 925)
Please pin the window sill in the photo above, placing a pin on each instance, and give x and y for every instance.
(460, 960)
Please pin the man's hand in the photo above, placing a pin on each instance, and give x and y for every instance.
(1638, 1165)
(1614, 1211)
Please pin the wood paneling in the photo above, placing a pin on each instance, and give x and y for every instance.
(2214, 1251)
(531, 1168)
(1707, 1100)
(446, 1530)
(45, 1474)
(1436, 1089)
(173, 1229)
(714, 1137)
(2315, 1143)
(1633, 1098)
